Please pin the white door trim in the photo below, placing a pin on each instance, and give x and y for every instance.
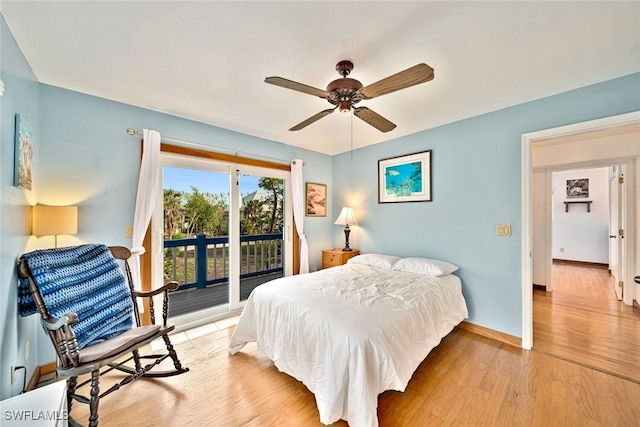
(526, 170)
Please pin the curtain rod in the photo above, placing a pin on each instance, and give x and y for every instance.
(132, 131)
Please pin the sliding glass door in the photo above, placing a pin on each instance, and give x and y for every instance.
(219, 230)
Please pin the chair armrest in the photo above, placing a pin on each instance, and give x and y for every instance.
(68, 319)
(64, 339)
(169, 286)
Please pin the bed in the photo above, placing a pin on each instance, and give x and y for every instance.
(349, 333)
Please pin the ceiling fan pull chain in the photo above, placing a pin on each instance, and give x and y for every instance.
(352, 134)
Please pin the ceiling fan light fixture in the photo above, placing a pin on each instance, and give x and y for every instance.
(345, 106)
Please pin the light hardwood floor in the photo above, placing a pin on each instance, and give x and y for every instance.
(468, 380)
(582, 321)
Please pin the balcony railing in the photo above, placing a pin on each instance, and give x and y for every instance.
(202, 261)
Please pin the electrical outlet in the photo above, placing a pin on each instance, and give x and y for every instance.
(13, 373)
(561, 249)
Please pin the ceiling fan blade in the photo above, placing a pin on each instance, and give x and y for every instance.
(312, 119)
(290, 84)
(374, 119)
(410, 77)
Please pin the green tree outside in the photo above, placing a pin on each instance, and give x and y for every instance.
(188, 214)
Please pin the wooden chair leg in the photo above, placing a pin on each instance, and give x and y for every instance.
(95, 398)
(172, 353)
(136, 360)
(72, 382)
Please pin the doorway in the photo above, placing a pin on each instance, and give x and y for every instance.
(578, 157)
(577, 216)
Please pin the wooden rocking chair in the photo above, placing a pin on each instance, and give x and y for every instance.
(90, 313)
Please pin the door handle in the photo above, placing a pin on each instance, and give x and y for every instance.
(611, 236)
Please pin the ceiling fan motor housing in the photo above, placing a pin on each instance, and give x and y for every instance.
(344, 89)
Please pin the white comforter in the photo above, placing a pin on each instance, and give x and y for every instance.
(350, 332)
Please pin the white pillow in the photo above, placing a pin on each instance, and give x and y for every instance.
(429, 267)
(374, 260)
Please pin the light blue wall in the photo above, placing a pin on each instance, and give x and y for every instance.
(21, 96)
(476, 185)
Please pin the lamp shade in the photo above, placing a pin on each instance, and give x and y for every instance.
(54, 220)
(347, 217)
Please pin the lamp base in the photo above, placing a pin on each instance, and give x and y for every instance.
(346, 248)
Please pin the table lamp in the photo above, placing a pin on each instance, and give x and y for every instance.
(346, 217)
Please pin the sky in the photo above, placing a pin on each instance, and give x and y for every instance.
(182, 179)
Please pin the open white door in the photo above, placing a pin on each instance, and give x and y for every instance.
(616, 230)
(542, 214)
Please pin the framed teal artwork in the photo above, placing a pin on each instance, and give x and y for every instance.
(405, 178)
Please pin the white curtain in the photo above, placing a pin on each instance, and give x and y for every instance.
(299, 203)
(145, 199)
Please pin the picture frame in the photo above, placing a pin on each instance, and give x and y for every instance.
(23, 157)
(405, 178)
(578, 188)
(316, 197)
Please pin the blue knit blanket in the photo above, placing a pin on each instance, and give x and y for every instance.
(86, 280)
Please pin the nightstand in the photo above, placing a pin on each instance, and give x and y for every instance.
(335, 257)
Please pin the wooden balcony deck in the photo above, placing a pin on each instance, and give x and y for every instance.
(194, 299)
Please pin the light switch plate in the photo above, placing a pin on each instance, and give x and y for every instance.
(503, 230)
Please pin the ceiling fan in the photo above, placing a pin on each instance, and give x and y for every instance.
(345, 92)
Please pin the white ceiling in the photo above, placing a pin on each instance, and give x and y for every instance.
(207, 60)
